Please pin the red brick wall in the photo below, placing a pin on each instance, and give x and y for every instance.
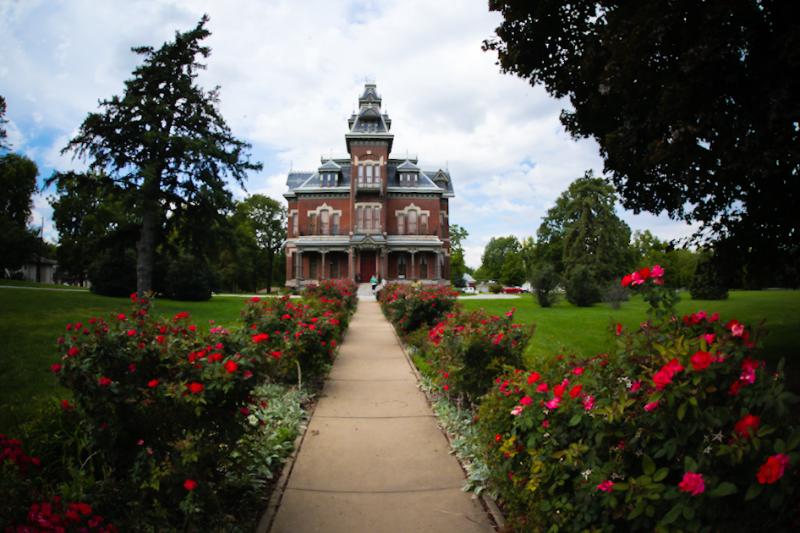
(339, 203)
(426, 204)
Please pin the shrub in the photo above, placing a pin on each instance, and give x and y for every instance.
(113, 272)
(682, 429)
(707, 284)
(188, 278)
(411, 307)
(581, 287)
(545, 280)
(495, 288)
(469, 350)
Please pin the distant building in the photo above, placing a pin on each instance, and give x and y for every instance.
(39, 269)
(368, 213)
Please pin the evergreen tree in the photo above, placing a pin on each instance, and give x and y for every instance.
(164, 143)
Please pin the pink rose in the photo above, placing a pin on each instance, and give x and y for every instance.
(692, 483)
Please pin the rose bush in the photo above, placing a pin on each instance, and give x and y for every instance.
(468, 350)
(682, 428)
(411, 307)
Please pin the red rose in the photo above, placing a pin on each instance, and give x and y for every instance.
(526, 400)
(195, 387)
(626, 280)
(190, 484)
(260, 337)
(131, 332)
(103, 381)
(692, 483)
(773, 469)
(701, 360)
(73, 351)
(575, 391)
(230, 366)
(152, 384)
(744, 426)
(533, 378)
(55, 368)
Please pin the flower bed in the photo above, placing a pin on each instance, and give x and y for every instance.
(168, 426)
(682, 428)
(411, 307)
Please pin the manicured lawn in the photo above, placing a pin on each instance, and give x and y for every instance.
(31, 320)
(587, 331)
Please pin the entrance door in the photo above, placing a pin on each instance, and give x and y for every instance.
(367, 265)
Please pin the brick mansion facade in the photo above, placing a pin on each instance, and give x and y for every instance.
(369, 213)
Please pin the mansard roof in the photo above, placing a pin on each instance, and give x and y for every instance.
(370, 123)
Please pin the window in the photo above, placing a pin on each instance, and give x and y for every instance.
(367, 219)
(333, 269)
(423, 224)
(312, 224)
(360, 175)
(401, 266)
(377, 174)
(401, 224)
(325, 218)
(369, 174)
(376, 221)
(335, 225)
(412, 222)
(295, 229)
(359, 218)
(423, 267)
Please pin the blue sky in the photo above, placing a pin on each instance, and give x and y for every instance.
(290, 73)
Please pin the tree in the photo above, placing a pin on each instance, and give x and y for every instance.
(545, 280)
(17, 183)
(583, 229)
(91, 217)
(458, 265)
(164, 143)
(693, 105)
(494, 255)
(513, 271)
(266, 219)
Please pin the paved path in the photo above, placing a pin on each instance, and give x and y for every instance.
(373, 459)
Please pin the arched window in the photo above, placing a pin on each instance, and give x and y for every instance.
(335, 225)
(401, 224)
(295, 229)
(312, 224)
(367, 219)
(423, 224)
(376, 221)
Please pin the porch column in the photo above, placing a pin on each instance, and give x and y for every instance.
(322, 269)
(350, 270)
(298, 257)
(377, 262)
(438, 265)
(413, 267)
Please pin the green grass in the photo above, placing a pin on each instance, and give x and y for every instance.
(32, 320)
(586, 331)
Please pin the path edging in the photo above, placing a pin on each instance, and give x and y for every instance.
(489, 505)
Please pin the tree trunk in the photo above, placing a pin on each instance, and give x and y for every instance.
(269, 272)
(145, 250)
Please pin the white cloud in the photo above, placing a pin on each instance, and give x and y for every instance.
(290, 74)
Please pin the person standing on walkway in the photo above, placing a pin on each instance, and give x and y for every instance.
(374, 282)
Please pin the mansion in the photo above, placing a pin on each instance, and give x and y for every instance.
(368, 213)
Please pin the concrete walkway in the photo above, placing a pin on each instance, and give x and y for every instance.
(373, 459)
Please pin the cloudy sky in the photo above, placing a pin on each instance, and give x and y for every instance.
(290, 73)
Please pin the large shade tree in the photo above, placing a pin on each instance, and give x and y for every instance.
(3, 121)
(18, 243)
(693, 104)
(164, 142)
(494, 256)
(458, 266)
(266, 220)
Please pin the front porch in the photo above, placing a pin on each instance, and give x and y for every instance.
(308, 267)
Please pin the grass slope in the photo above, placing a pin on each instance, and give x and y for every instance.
(586, 331)
(32, 320)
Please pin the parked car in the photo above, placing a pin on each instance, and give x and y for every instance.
(469, 290)
(512, 290)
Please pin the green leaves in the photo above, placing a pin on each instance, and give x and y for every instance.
(723, 489)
